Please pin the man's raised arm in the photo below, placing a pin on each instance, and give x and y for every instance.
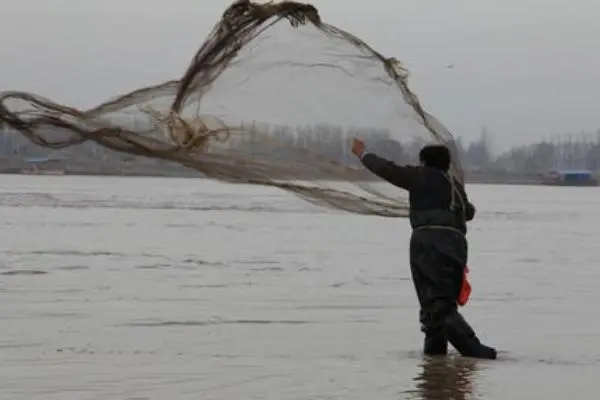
(404, 177)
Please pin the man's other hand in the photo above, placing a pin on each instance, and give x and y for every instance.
(358, 147)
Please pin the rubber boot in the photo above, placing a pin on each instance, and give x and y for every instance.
(435, 344)
(463, 338)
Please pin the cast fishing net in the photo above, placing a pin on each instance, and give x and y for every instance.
(273, 97)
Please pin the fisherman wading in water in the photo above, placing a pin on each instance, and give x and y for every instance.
(439, 211)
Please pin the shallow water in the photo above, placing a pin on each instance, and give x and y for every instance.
(139, 288)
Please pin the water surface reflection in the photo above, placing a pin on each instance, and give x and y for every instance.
(445, 378)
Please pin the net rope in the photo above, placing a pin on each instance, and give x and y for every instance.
(272, 97)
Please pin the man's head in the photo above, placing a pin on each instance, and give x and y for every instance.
(435, 156)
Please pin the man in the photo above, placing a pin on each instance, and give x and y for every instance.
(439, 210)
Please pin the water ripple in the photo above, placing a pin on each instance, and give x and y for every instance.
(214, 322)
(23, 272)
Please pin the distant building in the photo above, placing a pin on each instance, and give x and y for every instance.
(571, 178)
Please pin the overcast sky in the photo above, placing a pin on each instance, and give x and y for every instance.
(525, 69)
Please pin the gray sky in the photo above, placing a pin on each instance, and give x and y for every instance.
(526, 69)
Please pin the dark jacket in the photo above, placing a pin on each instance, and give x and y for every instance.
(435, 198)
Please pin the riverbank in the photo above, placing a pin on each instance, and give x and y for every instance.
(479, 179)
(141, 167)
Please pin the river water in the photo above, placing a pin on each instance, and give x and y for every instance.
(143, 288)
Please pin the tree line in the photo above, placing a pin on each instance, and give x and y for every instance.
(332, 142)
(565, 152)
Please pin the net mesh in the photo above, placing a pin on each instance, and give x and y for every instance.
(273, 97)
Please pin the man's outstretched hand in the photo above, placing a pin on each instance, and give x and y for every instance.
(358, 147)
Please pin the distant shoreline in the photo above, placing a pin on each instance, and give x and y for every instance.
(144, 167)
(168, 173)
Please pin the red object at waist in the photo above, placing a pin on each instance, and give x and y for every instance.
(465, 289)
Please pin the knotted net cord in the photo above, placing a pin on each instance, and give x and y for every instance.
(188, 126)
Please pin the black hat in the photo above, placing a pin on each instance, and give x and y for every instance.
(435, 156)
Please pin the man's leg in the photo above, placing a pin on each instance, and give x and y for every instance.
(441, 268)
(435, 343)
(436, 339)
(463, 338)
(447, 324)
